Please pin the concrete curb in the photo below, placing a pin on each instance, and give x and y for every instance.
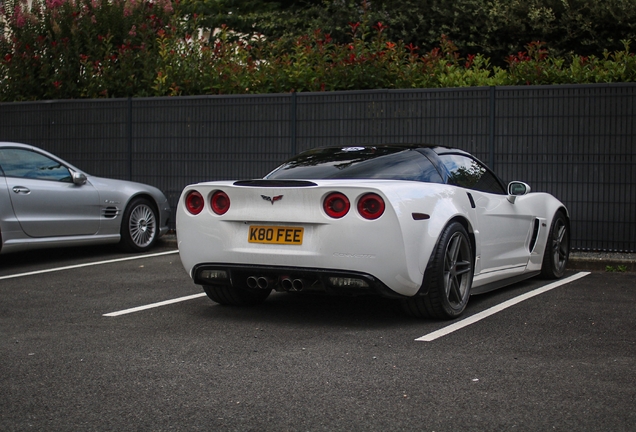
(602, 264)
(168, 240)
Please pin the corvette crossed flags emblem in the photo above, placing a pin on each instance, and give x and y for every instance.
(272, 199)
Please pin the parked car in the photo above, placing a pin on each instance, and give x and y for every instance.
(47, 202)
(426, 225)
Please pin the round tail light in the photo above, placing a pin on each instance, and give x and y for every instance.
(220, 202)
(336, 205)
(371, 206)
(194, 202)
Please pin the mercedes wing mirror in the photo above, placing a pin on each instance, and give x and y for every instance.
(78, 178)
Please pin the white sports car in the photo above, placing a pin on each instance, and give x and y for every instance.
(426, 225)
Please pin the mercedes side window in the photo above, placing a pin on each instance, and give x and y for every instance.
(469, 173)
(29, 164)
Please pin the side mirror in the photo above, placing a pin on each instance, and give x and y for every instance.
(78, 178)
(517, 188)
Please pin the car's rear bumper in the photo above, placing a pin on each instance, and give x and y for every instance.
(283, 278)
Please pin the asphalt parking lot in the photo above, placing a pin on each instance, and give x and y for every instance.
(561, 360)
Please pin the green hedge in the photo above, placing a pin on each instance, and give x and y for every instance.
(493, 28)
(111, 48)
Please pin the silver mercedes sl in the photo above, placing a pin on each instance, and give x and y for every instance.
(47, 202)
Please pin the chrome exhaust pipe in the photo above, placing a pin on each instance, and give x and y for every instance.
(286, 283)
(298, 284)
(263, 282)
(252, 282)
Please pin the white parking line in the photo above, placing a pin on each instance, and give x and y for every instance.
(493, 310)
(87, 265)
(153, 305)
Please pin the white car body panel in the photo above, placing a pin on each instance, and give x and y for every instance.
(395, 248)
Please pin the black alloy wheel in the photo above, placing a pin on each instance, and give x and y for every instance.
(557, 248)
(448, 277)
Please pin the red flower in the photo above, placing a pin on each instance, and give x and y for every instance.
(470, 60)
(57, 84)
(52, 4)
(380, 27)
(412, 48)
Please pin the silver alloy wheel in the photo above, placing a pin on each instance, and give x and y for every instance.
(560, 245)
(457, 269)
(142, 225)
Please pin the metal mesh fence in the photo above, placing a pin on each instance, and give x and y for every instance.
(576, 142)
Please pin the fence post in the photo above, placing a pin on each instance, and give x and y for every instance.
(491, 128)
(292, 125)
(129, 138)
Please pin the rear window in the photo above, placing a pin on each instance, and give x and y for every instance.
(393, 163)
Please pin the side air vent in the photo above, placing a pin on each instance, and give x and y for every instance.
(110, 212)
(535, 234)
(275, 183)
(471, 199)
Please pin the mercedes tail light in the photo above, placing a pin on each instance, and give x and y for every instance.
(220, 202)
(194, 202)
(336, 205)
(371, 206)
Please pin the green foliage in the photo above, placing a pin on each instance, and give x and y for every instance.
(494, 28)
(239, 15)
(81, 48)
(65, 49)
(619, 269)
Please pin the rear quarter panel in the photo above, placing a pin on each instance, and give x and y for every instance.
(543, 206)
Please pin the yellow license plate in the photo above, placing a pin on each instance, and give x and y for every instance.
(276, 235)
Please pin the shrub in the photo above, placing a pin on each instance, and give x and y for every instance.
(81, 48)
(116, 48)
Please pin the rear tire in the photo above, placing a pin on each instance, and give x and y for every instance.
(557, 248)
(139, 226)
(230, 296)
(448, 278)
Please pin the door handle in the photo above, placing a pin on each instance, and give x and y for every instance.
(21, 190)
